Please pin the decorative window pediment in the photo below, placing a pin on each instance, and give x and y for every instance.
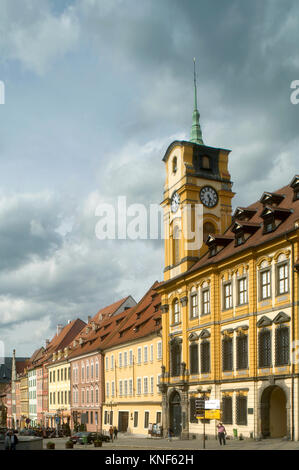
(193, 337)
(281, 317)
(204, 334)
(175, 340)
(264, 321)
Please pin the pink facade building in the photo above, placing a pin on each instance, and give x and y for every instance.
(87, 365)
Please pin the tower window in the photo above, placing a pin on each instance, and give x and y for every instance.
(174, 164)
(176, 245)
(205, 162)
(208, 228)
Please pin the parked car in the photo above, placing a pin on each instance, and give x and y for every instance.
(80, 437)
(100, 437)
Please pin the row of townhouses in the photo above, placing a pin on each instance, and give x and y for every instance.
(222, 325)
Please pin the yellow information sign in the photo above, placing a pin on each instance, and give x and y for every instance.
(212, 414)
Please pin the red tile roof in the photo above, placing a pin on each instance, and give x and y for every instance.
(119, 328)
(288, 207)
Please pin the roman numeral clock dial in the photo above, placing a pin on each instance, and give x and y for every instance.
(175, 202)
(208, 196)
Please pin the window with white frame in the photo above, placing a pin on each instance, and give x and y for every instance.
(159, 350)
(227, 295)
(87, 371)
(120, 388)
(131, 357)
(138, 386)
(176, 312)
(107, 389)
(145, 354)
(206, 301)
(97, 370)
(151, 352)
(112, 361)
(242, 291)
(125, 359)
(194, 306)
(145, 385)
(113, 388)
(120, 359)
(91, 371)
(82, 372)
(107, 362)
(130, 387)
(282, 278)
(97, 395)
(152, 384)
(125, 387)
(265, 284)
(139, 356)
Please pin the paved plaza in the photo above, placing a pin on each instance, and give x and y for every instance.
(134, 443)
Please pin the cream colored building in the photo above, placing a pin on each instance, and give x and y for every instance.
(132, 370)
(59, 388)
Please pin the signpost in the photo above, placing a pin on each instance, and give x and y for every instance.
(207, 409)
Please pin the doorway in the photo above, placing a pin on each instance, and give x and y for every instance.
(123, 421)
(273, 412)
(175, 414)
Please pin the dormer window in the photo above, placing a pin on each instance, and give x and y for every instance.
(273, 217)
(243, 214)
(217, 242)
(239, 239)
(273, 199)
(295, 185)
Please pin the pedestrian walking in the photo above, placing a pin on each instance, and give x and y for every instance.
(115, 431)
(13, 440)
(111, 433)
(7, 441)
(221, 433)
(170, 434)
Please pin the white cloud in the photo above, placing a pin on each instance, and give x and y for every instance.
(33, 35)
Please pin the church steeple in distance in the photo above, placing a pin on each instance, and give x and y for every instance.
(196, 135)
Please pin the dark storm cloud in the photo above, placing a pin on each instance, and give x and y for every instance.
(114, 87)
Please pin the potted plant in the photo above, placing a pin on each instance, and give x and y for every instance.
(50, 445)
(98, 441)
(69, 444)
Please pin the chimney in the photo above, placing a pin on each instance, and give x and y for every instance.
(89, 319)
(59, 329)
(47, 343)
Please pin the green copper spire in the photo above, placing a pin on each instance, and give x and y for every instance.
(196, 135)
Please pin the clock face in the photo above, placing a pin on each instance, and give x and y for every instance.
(175, 202)
(208, 196)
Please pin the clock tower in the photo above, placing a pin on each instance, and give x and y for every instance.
(197, 197)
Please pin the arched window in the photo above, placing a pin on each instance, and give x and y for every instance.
(176, 311)
(208, 228)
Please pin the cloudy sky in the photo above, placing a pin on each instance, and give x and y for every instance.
(95, 92)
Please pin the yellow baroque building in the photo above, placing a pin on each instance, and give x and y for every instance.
(59, 389)
(132, 368)
(229, 299)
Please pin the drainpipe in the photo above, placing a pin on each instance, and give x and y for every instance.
(293, 333)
